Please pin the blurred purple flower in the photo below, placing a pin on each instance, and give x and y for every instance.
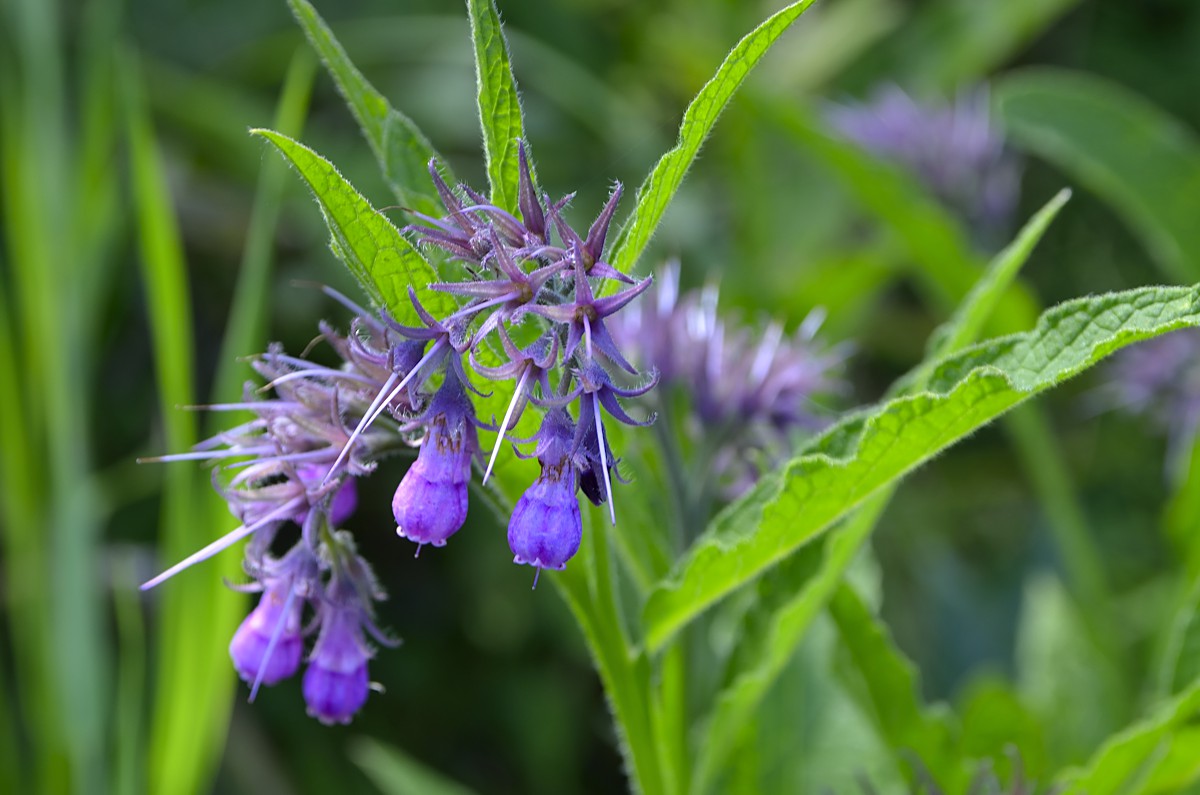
(752, 386)
(951, 147)
(1160, 379)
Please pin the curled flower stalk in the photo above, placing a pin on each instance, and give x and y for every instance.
(317, 428)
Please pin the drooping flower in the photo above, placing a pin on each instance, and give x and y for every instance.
(546, 526)
(430, 503)
(336, 682)
(298, 460)
(268, 645)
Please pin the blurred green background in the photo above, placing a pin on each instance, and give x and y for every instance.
(134, 201)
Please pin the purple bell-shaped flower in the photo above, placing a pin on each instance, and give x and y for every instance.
(278, 611)
(269, 644)
(546, 528)
(335, 682)
(430, 504)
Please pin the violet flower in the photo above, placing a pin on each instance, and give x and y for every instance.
(954, 148)
(430, 503)
(546, 528)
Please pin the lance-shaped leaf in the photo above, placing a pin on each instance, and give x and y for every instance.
(866, 451)
(1136, 157)
(791, 595)
(382, 260)
(660, 185)
(499, 105)
(401, 148)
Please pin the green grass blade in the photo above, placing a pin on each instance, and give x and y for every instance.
(379, 257)
(394, 772)
(401, 148)
(245, 331)
(193, 680)
(867, 451)
(499, 103)
(130, 689)
(18, 533)
(660, 185)
(1143, 162)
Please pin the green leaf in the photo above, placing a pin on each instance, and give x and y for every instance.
(401, 148)
(1181, 658)
(789, 596)
(967, 322)
(1145, 163)
(871, 449)
(381, 258)
(193, 677)
(1134, 761)
(394, 772)
(787, 599)
(976, 310)
(886, 686)
(499, 104)
(664, 180)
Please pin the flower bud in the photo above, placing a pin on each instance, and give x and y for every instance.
(278, 611)
(335, 683)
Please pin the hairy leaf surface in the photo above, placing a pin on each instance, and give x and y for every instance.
(866, 451)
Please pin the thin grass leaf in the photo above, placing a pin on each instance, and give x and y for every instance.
(130, 687)
(245, 330)
(193, 678)
(866, 451)
(664, 179)
(56, 362)
(22, 456)
(380, 258)
(394, 772)
(401, 148)
(499, 104)
(18, 530)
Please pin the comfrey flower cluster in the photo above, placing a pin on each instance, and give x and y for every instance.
(749, 389)
(953, 148)
(397, 385)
